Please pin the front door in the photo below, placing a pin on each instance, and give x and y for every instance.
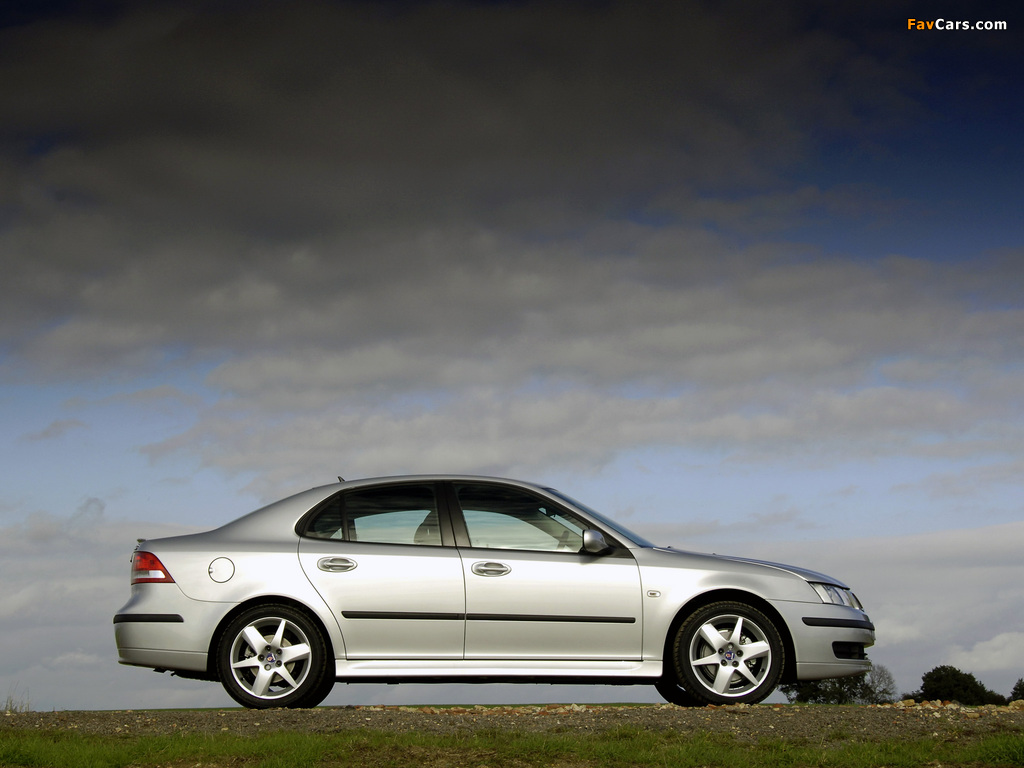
(531, 591)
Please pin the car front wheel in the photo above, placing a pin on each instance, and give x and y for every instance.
(728, 653)
(274, 656)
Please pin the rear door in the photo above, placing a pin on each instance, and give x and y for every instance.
(382, 559)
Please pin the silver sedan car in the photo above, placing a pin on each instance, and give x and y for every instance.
(460, 578)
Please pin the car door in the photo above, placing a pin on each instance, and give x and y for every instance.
(382, 559)
(531, 590)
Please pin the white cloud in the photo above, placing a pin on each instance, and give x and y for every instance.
(64, 578)
(523, 432)
(996, 654)
(78, 659)
(583, 357)
(56, 429)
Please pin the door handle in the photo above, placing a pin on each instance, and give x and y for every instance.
(335, 564)
(490, 568)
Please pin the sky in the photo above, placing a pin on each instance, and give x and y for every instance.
(747, 277)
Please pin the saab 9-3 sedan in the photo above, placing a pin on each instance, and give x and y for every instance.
(468, 579)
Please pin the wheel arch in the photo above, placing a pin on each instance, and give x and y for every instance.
(215, 638)
(740, 596)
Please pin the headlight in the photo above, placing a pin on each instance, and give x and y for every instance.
(830, 593)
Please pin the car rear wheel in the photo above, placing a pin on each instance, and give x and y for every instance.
(728, 653)
(274, 656)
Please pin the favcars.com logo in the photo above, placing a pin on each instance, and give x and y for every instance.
(944, 24)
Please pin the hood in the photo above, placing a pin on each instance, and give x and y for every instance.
(803, 573)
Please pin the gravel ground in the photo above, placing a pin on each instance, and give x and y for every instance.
(805, 724)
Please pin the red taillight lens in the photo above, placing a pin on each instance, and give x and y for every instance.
(147, 568)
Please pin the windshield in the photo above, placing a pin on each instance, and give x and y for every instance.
(610, 524)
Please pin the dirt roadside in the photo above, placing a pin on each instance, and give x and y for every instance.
(803, 724)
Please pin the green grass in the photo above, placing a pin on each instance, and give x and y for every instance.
(487, 749)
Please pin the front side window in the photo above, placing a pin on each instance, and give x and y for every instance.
(405, 514)
(507, 518)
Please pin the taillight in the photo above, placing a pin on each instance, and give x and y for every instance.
(147, 568)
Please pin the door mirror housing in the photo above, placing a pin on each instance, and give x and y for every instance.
(594, 543)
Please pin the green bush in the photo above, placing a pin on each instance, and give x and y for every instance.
(948, 683)
(874, 687)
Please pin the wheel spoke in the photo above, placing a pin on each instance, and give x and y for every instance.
(712, 636)
(279, 635)
(287, 677)
(261, 685)
(744, 670)
(712, 659)
(255, 640)
(722, 679)
(756, 650)
(291, 653)
(737, 632)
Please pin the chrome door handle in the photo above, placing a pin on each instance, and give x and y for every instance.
(335, 564)
(490, 568)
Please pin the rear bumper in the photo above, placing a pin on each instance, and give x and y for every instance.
(161, 628)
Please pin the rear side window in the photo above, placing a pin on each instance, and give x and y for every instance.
(404, 514)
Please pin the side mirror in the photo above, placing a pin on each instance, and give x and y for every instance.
(594, 543)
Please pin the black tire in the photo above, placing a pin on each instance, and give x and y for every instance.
(674, 693)
(727, 653)
(274, 656)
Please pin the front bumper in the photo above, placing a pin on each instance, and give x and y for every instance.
(828, 640)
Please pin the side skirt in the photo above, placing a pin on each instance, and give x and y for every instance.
(488, 671)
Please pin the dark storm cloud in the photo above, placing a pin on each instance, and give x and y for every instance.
(166, 149)
(386, 222)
